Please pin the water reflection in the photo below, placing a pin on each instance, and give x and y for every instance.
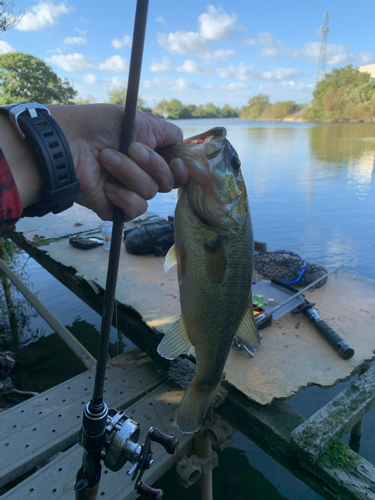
(339, 143)
(311, 187)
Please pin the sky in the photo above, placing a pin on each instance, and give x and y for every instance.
(196, 52)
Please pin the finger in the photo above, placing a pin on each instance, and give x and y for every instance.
(153, 164)
(130, 202)
(133, 177)
(154, 132)
(179, 172)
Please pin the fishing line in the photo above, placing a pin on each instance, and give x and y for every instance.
(117, 353)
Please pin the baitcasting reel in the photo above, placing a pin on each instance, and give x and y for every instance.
(118, 444)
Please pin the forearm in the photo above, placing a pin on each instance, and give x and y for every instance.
(21, 163)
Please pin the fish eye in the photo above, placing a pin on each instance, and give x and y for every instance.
(236, 163)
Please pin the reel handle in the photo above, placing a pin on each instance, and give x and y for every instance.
(169, 443)
(152, 493)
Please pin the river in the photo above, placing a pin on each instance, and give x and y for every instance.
(311, 189)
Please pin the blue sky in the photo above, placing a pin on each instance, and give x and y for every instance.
(196, 52)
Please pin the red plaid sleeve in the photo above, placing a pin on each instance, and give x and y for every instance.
(10, 203)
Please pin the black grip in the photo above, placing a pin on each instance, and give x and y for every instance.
(342, 347)
(146, 490)
(169, 443)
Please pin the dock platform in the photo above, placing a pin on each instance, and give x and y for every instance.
(43, 430)
(293, 355)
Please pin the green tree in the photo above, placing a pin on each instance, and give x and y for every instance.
(26, 78)
(344, 94)
(279, 110)
(255, 107)
(118, 96)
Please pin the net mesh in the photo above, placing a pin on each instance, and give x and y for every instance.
(287, 267)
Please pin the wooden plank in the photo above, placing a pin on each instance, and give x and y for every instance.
(337, 417)
(56, 480)
(339, 475)
(35, 430)
(79, 350)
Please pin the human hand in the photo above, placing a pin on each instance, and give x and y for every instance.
(93, 133)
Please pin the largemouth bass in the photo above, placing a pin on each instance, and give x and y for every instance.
(214, 251)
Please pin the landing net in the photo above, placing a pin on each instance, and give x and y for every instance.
(287, 267)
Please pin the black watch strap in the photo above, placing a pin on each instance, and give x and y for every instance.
(51, 152)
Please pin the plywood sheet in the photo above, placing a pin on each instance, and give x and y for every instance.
(293, 354)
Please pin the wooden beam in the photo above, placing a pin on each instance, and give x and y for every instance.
(81, 352)
(337, 417)
(341, 474)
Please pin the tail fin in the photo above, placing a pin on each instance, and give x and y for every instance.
(193, 408)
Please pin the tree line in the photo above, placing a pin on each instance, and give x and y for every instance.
(345, 94)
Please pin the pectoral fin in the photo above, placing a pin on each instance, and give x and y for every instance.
(247, 331)
(175, 342)
(171, 258)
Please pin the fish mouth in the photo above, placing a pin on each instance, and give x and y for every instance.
(214, 134)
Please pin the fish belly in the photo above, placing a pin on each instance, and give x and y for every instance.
(215, 272)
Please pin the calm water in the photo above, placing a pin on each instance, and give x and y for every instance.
(312, 191)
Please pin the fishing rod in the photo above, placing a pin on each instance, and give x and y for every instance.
(342, 347)
(108, 434)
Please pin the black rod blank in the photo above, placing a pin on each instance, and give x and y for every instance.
(118, 217)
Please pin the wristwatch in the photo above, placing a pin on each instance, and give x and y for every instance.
(51, 152)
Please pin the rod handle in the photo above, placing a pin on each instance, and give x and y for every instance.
(146, 490)
(339, 344)
(169, 443)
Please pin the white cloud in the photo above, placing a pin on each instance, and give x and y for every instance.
(114, 82)
(282, 74)
(216, 24)
(223, 55)
(208, 86)
(165, 66)
(366, 57)
(180, 85)
(120, 43)
(249, 41)
(336, 54)
(41, 16)
(75, 40)
(81, 32)
(309, 51)
(90, 79)
(287, 85)
(115, 63)
(118, 82)
(71, 62)
(183, 42)
(271, 47)
(192, 67)
(241, 72)
(235, 86)
(5, 47)
(160, 20)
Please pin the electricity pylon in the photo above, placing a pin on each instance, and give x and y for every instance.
(322, 65)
